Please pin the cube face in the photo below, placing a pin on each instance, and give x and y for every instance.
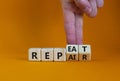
(47, 54)
(84, 52)
(72, 52)
(84, 57)
(72, 49)
(59, 54)
(34, 54)
(72, 57)
(84, 49)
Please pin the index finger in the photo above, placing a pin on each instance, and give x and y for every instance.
(69, 22)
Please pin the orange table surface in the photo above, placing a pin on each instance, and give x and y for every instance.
(39, 23)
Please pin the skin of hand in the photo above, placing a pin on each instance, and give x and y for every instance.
(73, 11)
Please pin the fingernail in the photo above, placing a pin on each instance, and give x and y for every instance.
(87, 9)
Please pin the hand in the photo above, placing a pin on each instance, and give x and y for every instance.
(73, 11)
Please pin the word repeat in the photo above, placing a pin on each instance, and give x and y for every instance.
(71, 53)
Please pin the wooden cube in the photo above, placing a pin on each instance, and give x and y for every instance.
(72, 57)
(34, 54)
(72, 52)
(84, 57)
(84, 52)
(47, 54)
(59, 54)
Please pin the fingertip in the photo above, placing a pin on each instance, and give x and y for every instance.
(87, 10)
(94, 9)
(100, 3)
(93, 15)
(71, 40)
(83, 5)
(79, 43)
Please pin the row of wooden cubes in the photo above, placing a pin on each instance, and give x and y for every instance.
(71, 53)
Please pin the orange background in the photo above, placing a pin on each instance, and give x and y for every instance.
(39, 23)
